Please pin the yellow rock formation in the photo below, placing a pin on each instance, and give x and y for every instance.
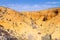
(36, 25)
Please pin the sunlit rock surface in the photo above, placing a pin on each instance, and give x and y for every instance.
(36, 25)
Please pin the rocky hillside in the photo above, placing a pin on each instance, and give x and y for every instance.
(36, 25)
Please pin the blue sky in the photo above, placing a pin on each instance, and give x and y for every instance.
(30, 5)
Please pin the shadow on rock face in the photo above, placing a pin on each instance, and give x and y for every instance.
(47, 37)
(4, 35)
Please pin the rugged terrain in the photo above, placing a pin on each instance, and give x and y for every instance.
(35, 25)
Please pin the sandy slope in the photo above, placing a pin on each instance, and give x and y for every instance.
(36, 25)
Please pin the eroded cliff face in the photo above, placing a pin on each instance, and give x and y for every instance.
(36, 25)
